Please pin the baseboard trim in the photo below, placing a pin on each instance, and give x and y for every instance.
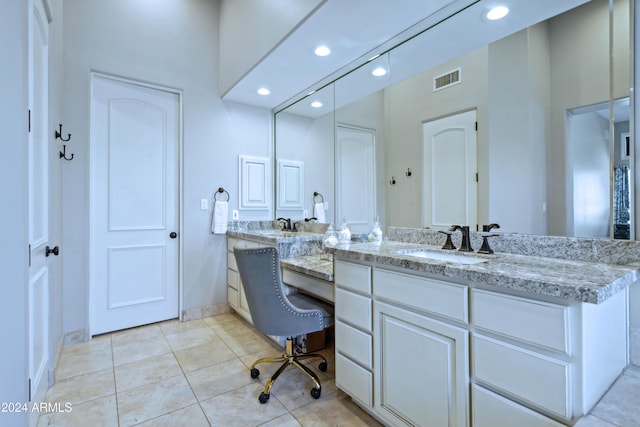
(205, 311)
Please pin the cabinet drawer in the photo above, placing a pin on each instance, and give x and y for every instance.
(490, 410)
(353, 276)
(232, 297)
(355, 344)
(535, 322)
(308, 284)
(353, 308)
(424, 294)
(231, 261)
(540, 380)
(233, 279)
(354, 380)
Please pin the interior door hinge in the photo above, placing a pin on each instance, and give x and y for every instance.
(29, 389)
(29, 254)
(476, 126)
(29, 121)
(476, 176)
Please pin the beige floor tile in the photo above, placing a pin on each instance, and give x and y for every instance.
(146, 371)
(293, 388)
(83, 388)
(191, 338)
(240, 407)
(100, 412)
(141, 333)
(219, 378)
(591, 421)
(224, 321)
(175, 326)
(620, 405)
(333, 410)
(198, 357)
(191, 416)
(244, 340)
(71, 365)
(287, 420)
(150, 401)
(633, 370)
(138, 350)
(250, 358)
(99, 343)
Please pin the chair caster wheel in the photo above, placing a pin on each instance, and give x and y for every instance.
(323, 366)
(315, 393)
(264, 398)
(255, 374)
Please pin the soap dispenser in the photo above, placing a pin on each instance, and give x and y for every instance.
(329, 240)
(375, 235)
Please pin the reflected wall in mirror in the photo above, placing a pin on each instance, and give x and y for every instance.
(522, 88)
(304, 135)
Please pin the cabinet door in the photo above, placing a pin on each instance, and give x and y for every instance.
(422, 375)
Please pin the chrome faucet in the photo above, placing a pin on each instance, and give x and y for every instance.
(465, 246)
(286, 223)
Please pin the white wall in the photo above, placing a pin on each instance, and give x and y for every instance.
(173, 43)
(518, 119)
(412, 102)
(13, 176)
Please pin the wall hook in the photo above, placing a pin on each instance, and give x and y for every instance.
(408, 172)
(59, 135)
(63, 153)
(393, 180)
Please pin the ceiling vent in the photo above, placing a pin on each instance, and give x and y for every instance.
(445, 80)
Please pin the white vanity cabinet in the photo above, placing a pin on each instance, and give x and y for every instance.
(353, 331)
(416, 350)
(235, 293)
(537, 362)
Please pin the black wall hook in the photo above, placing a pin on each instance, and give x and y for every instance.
(59, 136)
(63, 153)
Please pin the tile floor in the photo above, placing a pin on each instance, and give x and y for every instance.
(195, 373)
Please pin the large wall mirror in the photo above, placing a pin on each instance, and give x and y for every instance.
(552, 153)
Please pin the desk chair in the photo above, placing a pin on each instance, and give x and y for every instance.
(274, 313)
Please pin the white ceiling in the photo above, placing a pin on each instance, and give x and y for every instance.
(356, 33)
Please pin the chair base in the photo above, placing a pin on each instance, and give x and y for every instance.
(289, 358)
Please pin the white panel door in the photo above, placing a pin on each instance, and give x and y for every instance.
(135, 136)
(450, 165)
(355, 180)
(38, 295)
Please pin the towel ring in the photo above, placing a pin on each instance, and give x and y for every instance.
(221, 191)
(315, 195)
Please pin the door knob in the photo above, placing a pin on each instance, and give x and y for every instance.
(49, 251)
(173, 234)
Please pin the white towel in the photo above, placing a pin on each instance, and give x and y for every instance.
(220, 214)
(318, 212)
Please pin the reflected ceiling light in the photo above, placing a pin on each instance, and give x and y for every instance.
(263, 91)
(379, 72)
(322, 50)
(497, 12)
(316, 104)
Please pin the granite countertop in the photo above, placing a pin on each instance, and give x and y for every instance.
(319, 266)
(582, 281)
(276, 236)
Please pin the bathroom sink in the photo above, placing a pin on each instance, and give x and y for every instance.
(447, 257)
(282, 233)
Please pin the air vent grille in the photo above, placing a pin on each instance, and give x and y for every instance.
(445, 80)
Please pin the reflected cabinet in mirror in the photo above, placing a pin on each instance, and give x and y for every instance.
(522, 122)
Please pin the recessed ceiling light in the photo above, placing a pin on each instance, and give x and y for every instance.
(316, 104)
(497, 12)
(379, 72)
(263, 91)
(322, 50)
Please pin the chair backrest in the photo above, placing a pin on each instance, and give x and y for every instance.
(271, 311)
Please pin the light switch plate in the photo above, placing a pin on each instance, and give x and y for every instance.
(204, 204)
(326, 206)
(235, 215)
(305, 213)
